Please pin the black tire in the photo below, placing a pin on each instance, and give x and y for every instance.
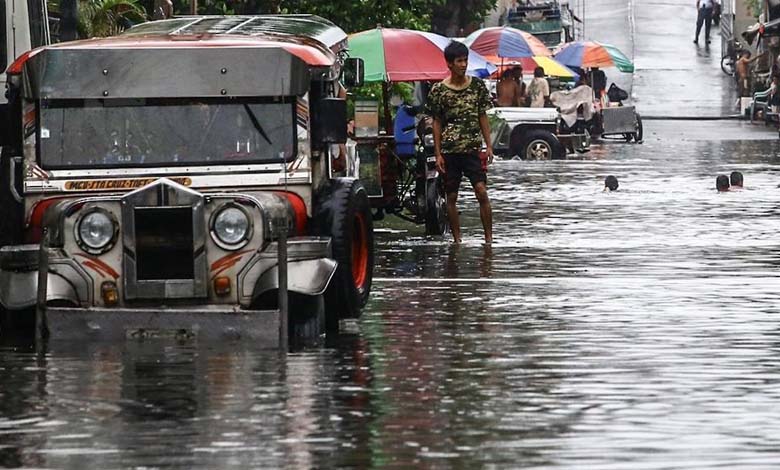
(436, 220)
(306, 321)
(344, 214)
(727, 65)
(541, 145)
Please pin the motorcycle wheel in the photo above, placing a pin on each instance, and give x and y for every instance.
(436, 220)
(727, 65)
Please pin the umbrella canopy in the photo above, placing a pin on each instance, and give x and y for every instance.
(551, 67)
(586, 54)
(403, 55)
(506, 42)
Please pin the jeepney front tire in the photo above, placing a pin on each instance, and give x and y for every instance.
(306, 321)
(541, 145)
(345, 216)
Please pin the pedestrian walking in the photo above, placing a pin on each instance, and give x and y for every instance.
(704, 9)
(458, 105)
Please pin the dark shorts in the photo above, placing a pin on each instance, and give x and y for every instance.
(459, 164)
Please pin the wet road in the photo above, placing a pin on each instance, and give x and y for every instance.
(635, 329)
(602, 330)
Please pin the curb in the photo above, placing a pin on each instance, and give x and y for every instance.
(730, 117)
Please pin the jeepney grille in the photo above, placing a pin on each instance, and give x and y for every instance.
(164, 243)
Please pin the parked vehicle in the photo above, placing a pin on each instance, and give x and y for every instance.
(159, 169)
(546, 20)
(534, 134)
(404, 181)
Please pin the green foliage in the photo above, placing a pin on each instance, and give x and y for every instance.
(754, 6)
(353, 16)
(357, 15)
(100, 18)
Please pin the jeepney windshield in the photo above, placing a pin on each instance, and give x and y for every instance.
(101, 133)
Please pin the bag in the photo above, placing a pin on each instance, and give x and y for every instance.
(616, 94)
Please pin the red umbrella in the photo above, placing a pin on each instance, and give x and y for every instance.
(401, 55)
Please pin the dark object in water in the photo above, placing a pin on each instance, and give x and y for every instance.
(611, 183)
(722, 183)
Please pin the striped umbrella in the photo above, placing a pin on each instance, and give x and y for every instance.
(404, 55)
(506, 42)
(551, 67)
(588, 54)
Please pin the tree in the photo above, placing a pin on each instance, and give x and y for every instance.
(100, 18)
(455, 18)
(350, 15)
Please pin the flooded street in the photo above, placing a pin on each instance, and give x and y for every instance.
(602, 330)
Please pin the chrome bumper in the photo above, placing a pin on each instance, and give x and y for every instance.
(309, 271)
(211, 324)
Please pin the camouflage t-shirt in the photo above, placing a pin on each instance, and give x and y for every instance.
(459, 111)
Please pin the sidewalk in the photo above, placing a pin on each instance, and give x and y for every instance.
(673, 77)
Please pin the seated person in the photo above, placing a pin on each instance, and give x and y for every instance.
(507, 90)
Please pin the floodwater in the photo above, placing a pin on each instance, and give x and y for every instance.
(636, 329)
(633, 329)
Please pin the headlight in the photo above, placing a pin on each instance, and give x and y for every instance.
(231, 227)
(96, 231)
(428, 140)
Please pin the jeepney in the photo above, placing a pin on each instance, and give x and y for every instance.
(150, 175)
(548, 20)
(534, 134)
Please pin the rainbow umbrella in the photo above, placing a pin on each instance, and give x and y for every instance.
(587, 54)
(551, 67)
(404, 55)
(506, 42)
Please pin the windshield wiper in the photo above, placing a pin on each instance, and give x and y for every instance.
(256, 123)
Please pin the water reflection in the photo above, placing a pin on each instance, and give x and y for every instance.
(600, 330)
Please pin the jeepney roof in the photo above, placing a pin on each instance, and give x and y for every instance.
(192, 57)
(286, 27)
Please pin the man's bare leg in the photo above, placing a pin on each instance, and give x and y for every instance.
(452, 214)
(485, 211)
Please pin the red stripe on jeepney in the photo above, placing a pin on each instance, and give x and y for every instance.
(97, 265)
(34, 230)
(299, 210)
(227, 262)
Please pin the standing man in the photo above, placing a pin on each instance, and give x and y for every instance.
(704, 8)
(458, 106)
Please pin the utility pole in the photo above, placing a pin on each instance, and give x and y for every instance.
(193, 7)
